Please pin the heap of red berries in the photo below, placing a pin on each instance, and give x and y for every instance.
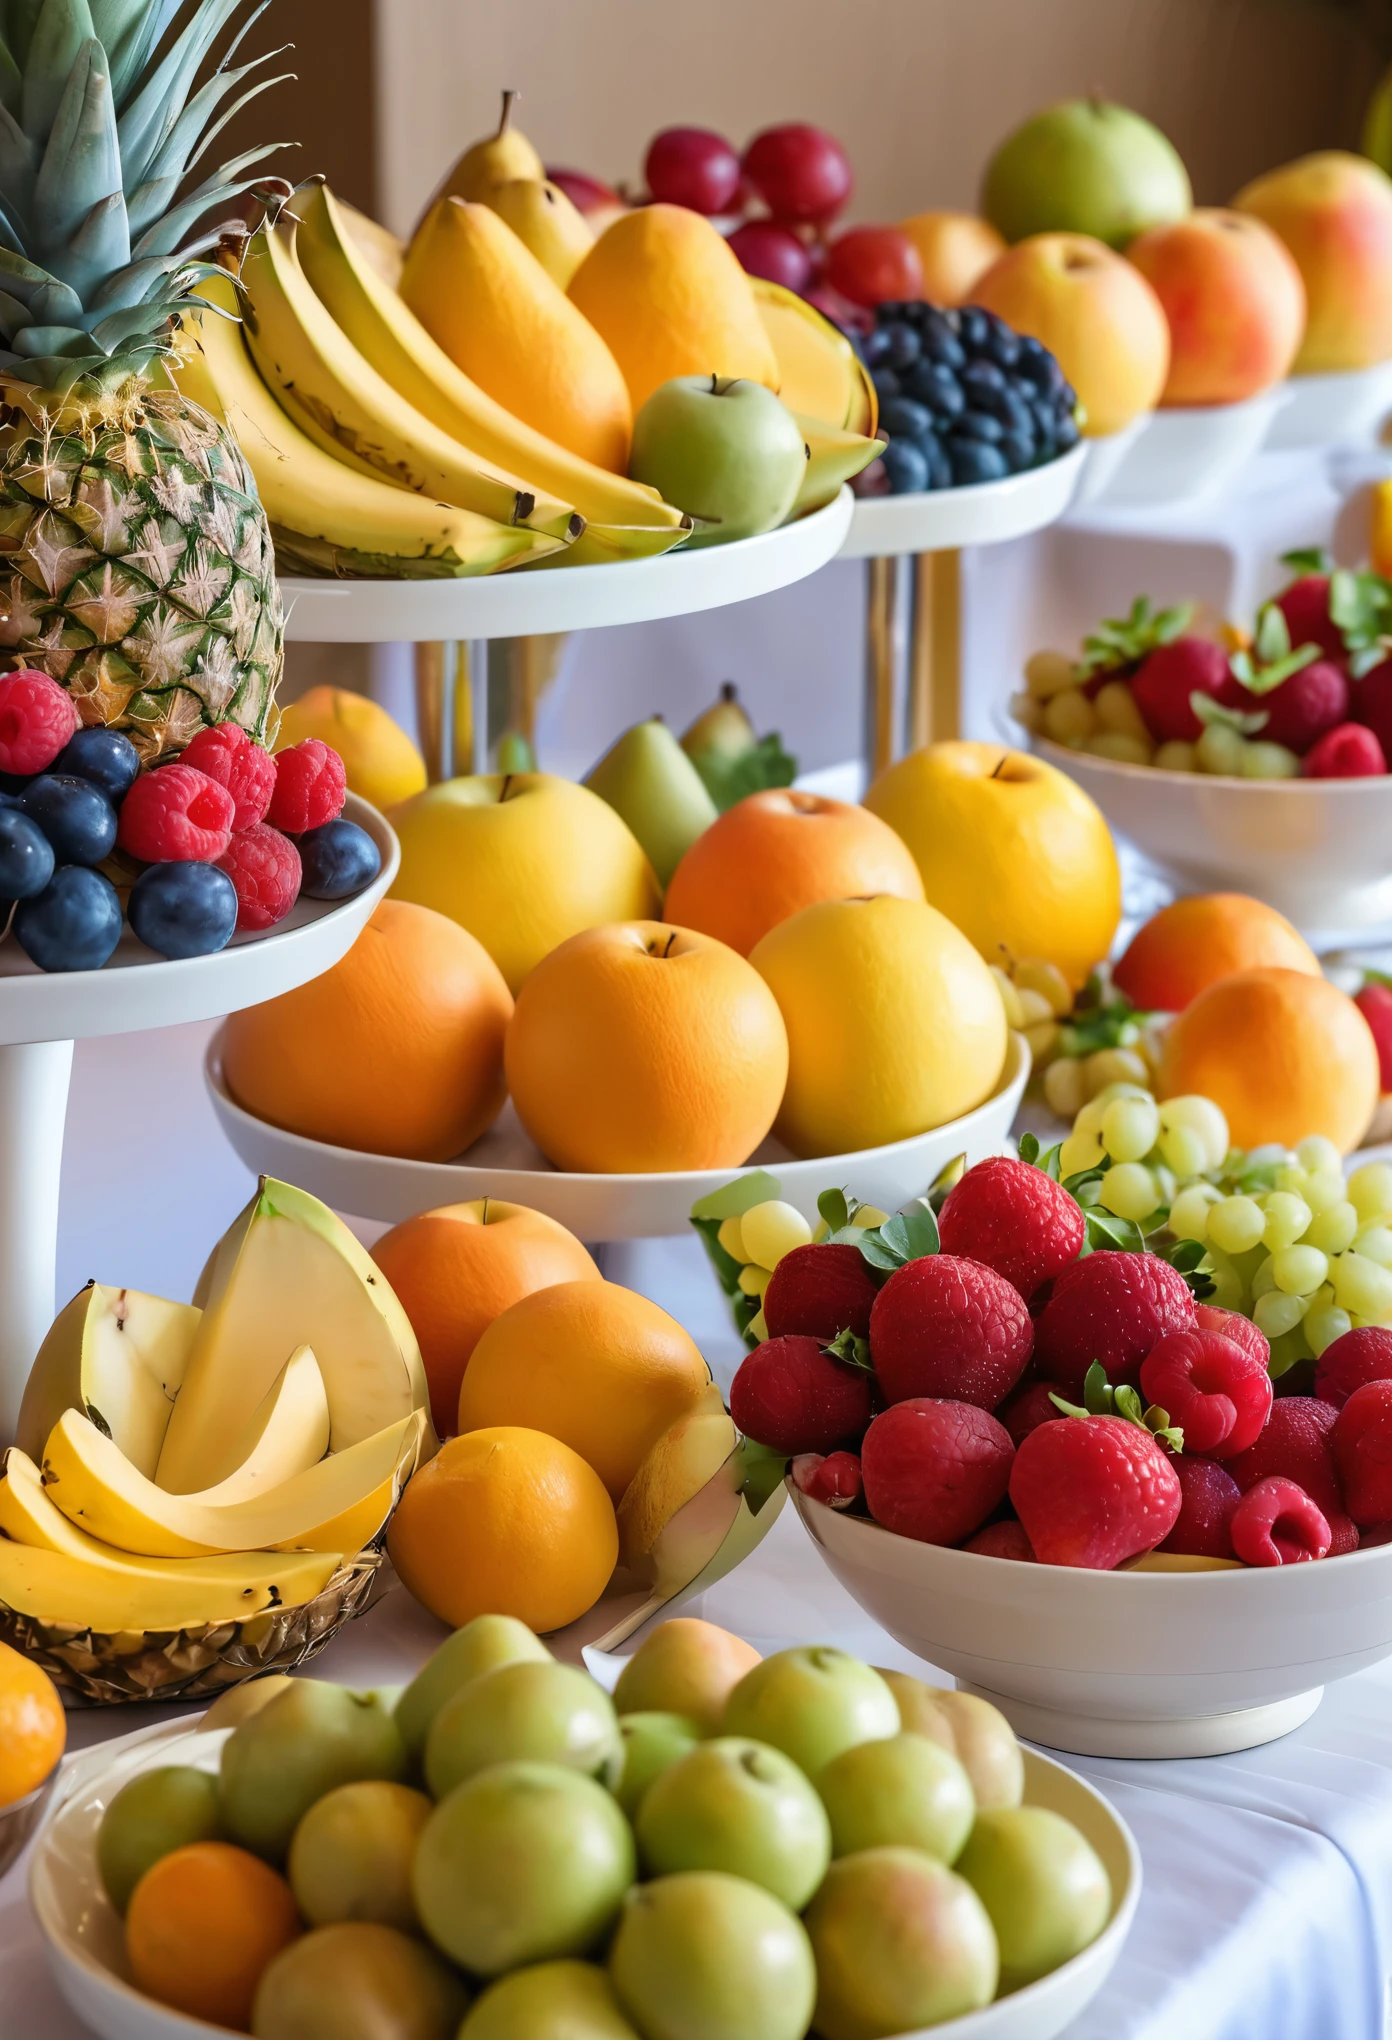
(986, 1378)
(222, 839)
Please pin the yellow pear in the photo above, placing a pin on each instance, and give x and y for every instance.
(544, 220)
(484, 297)
(379, 759)
(668, 295)
(497, 159)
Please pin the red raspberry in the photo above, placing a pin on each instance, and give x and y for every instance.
(791, 1395)
(1003, 1540)
(820, 1291)
(1203, 1527)
(37, 720)
(235, 760)
(1348, 751)
(1030, 1407)
(1305, 606)
(1362, 1444)
(265, 868)
(1374, 1002)
(1218, 1394)
(176, 815)
(1094, 1491)
(1344, 1536)
(1114, 1308)
(1350, 1363)
(1234, 1326)
(309, 787)
(835, 1480)
(1276, 1523)
(935, 1470)
(1015, 1219)
(951, 1328)
(1165, 679)
(1295, 1444)
(1303, 708)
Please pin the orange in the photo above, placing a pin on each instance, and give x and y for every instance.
(202, 1924)
(597, 1366)
(775, 853)
(1190, 945)
(1285, 1055)
(639, 1047)
(505, 1521)
(398, 1050)
(956, 249)
(454, 1270)
(33, 1726)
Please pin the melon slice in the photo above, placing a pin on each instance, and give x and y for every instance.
(118, 1355)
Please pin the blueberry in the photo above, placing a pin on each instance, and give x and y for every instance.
(874, 348)
(106, 758)
(26, 856)
(1066, 434)
(904, 419)
(980, 425)
(906, 467)
(946, 349)
(184, 909)
(13, 782)
(936, 460)
(78, 820)
(1003, 348)
(1066, 398)
(892, 312)
(339, 859)
(73, 924)
(886, 383)
(973, 461)
(984, 384)
(974, 328)
(903, 345)
(938, 387)
(1036, 362)
(1020, 450)
(1015, 412)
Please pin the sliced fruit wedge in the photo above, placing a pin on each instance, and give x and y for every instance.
(120, 1356)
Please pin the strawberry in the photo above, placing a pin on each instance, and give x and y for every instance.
(1373, 702)
(1305, 606)
(1344, 1536)
(1374, 1002)
(1168, 676)
(1112, 1307)
(1348, 751)
(1217, 1393)
(934, 1470)
(1234, 1326)
(835, 1479)
(1003, 1540)
(1203, 1527)
(791, 1395)
(1276, 1523)
(1362, 1444)
(947, 1327)
(1360, 1356)
(1301, 709)
(1094, 1491)
(1011, 1217)
(1295, 1444)
(820, 1291)
(1030, 1407)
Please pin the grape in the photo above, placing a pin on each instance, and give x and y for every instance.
(694, 168)
(771, 1230)
(1205, 1118)
(1286, 1220)
(1116, 709)
(1227, 1283)
(1063, 1086)
(754, 1281)
(1268, 761)
(1176, 757)
(1128, 1190)
(870, 265)
(1049, 673)
(1117, 1088)
(1290, 1176)
(1129, 1130)
(1033, 974)
(1299, 1271)
(1316, 1154)
(732, 1239)
(866, 1215)
(1264, 1277)
(1361, 1286)
(801, 173)
(1235, 1224)
(1112, 1066)
(1277, 1313)
(1375, 1244)
(1068, 715)
(1033, 1005)
(1185, 1150)
(1010, 998)
(1089, 1119)
(906, 467)
(768, 250)
(1324, 1324)
(973, 462)
(1334, 1231)
(1324, 1189)
(1080, 1151)
(1220, 750)
(1119, 747)
(1189, 1212)
(1370, 1190)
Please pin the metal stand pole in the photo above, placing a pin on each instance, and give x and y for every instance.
(34, 1079)
(934, 698)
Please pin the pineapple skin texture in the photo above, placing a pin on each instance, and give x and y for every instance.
(136, 563)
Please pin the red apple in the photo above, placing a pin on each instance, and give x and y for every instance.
(1234, 299)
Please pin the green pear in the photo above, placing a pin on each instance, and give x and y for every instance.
(903, 1792)
(740, 1807)
(1085, 167)
(812, 1703)
(702, 1954)
(150, 1817)
(731, 757)
(351, 1855)
(722, 733)
(550, 2001)
(901, 1942)
(311, 1737)
(651, 1742)
(1043, 1884)
(523, 1863)
(361, 1981)
(487, 1641)
(974, 1731)
(723, 449)
(652, 785)
(553, 1714)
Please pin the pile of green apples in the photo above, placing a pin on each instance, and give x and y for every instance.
(754, 1848)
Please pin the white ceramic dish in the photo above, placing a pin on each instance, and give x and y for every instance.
(84, 1942)
(505, 1164)
(940, 520)
(1319, 850)
(1329, 410)
(1187, 453)
(1104, 460)
(1117, 1664)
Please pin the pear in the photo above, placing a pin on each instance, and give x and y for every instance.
(487, 1641)
(311, 1738)
(351, 1855)
(723, 733)
(686, 1667)
(1043, 1884)
(732, 759)
(971, 1729)
(500, 158)
(652, 785)
(542, 217)
(548, 1713)
(704, 1953)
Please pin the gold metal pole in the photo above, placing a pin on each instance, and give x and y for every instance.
(462, 720)
(879, 663)
(431, 661)
(934, 710)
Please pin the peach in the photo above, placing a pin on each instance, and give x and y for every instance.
(956, 249)
(1235, 301)
(1095, 312)
(1334, 213)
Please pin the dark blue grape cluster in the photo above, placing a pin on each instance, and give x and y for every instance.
(56, 828)
(963, 399)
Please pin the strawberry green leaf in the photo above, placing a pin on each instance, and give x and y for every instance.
(833, 1209)
(761, 1472)
(1106, 1230)
(1028, 1148)
(867, 1242)
(913, 1232)
(1210, 711)
(1308, 560)
(851, 1350)
(1123, 641)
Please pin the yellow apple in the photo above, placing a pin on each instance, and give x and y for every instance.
(1009, 849)
(1334, 213)
(379, 759)
(523, 861)
(894, 1023)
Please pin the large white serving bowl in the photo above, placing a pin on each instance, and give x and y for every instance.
(1331, 410)
(505, 1164)
(86, 1951)
(1318, 850)
(1191, 451)
(1121, 1664)
(1105, 458)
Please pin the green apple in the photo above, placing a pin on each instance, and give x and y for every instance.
(651, 1742)
(901, 1942)
(1085, 167)
(358, 1981)
(726, 451)
(151, 1816)
(312, 1737)
(741, 1807)
(550, 1713)
(550, 2001)
(1043, 1884)
(523, 1863)
(812, 1703)
(652, 785)
(351, 1854)
(487, 1641)
(702, 1954)
(974, 1731)
(905, 1791)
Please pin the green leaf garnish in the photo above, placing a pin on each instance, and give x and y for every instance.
(761, 1471)
(908, 1236)
(1361, 605)
(1100, 1399)
(758, 769)
(851, 1350)
(1210, 711)
(1311, 559)
(1123, 641)
(834, 1209)
(1272, 659)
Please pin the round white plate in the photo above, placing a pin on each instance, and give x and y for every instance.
(505, 1165)
(1189, 452)
(941, 520)
(1326, 410)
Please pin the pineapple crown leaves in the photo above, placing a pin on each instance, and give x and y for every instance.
(1272, 658)
(1100, 1399)
(1123, 641)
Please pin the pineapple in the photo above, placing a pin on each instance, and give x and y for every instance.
(138, 569)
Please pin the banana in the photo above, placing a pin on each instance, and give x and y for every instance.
(118, 1355)
(832, 458)
(290, 1429)
(389, 335)
(52, 1586)
(327, 517)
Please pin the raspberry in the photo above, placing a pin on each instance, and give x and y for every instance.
(820, 1291)
(1305, 606)
(1030, 1407)
(951, 1328)
(1094, 1491)
(235, 760)
(935, 1470)
(1234, 1326)
(1348, 751)
(176, 815)
(1112, 1307)
(1218, 1394)
(37, 721)
(309, 787)
(791, 1395)
(1003, 1540)
(1344, 1536)
(1350, 1363)
(1362, 1445)
(1374, 1002)
(835, 1480)
(1015, 1219)
(1203, 1527)
(1295, 1444)
(1303, 708)
(1165, 679)
(265, 868)
(1276, 1523)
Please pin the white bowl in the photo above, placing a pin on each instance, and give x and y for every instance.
(87, 1955)
(1326, 410)
(1189, 452)
(1121, 1664)
(1105, 457)
(1318, 850)
(983, 513)
(506, 1165)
